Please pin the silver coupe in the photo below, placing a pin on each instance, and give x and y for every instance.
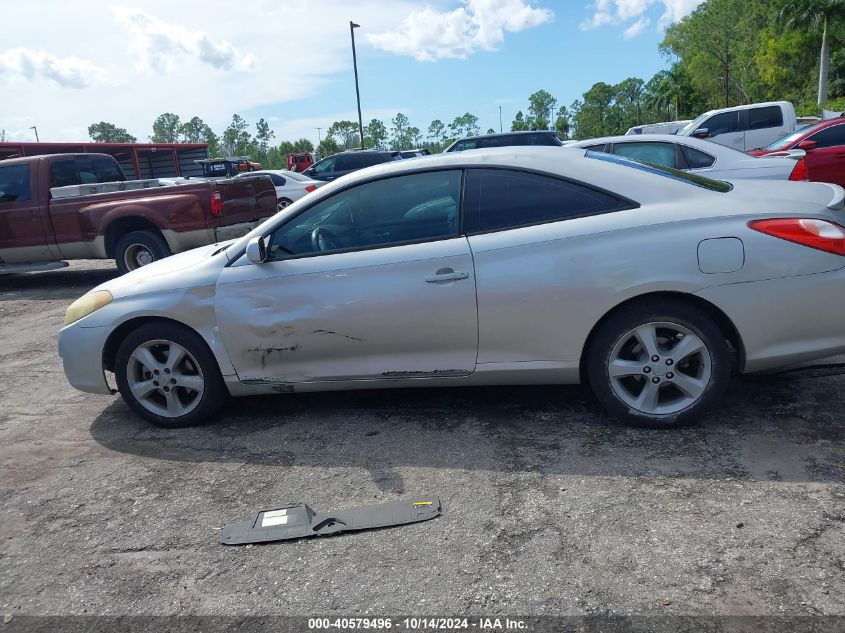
(527, 265)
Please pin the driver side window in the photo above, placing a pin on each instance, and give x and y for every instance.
(386, 212)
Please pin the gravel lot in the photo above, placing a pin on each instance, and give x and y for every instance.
(550, 508)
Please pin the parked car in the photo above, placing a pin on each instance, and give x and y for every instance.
(288, 187)
(506, 139)
(669, 127)
(346, 162)
(414, 153)
(300, 161)
(697, 157)
(79, 206)
(744, 127)
(824, 144)
(228, 166)
(508, 266)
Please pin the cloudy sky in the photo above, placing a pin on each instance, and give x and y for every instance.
(66, 65)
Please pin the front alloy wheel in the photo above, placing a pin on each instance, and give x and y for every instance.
(167, 374)
(165, 378)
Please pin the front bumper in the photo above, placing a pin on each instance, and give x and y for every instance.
(81, 349)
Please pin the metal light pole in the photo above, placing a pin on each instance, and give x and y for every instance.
(318, 134)
(500, 118)
(35, 129)
(352, 27)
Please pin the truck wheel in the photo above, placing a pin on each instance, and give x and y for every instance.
(284, 202)
(659, 365)
(167, 374)
(139, 248)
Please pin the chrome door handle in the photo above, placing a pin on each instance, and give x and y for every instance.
(446, 274)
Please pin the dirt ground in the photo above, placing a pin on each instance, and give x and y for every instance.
(549, 507)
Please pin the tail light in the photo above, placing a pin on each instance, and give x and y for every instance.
(819, 234)
(310, 188)
(216, 203)
(799, 172)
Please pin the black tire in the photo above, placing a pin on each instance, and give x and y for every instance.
(618, 327)
(139, 243)
(284, 202)
(214, 391)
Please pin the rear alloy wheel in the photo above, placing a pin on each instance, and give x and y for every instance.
(139, 248)
(659, 365)
(284, 203)
(167, 375)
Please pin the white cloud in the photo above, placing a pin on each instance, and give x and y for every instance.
(68, 72)
(162, 46)
(636, 28)
(428, 34)
(622, 12)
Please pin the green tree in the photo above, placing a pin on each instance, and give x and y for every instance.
(104, 132)
(562, 124)
(166, 128)
(237, 140)
(629, 95)
(327, 147)
(263, 136)
(815, 15)
(345, 133)
(437, 134)
(519, 124)
(541, 106)
(464, 125)
(399, 132)
(414, 136)
(375, 134)
(303, 145)
(599, 98)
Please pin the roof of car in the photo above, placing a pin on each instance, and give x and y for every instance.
(497, 134)
(709, 146)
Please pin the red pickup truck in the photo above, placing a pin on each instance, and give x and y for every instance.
(49, 213)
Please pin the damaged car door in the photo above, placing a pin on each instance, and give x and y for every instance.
(373, 282)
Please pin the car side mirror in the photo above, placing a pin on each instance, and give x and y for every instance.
(807, 145)
(256, 250)
(701, 132)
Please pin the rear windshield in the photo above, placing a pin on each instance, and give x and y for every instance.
(666, 172)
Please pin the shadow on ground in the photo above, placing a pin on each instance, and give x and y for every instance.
(767, 429)
(65, 283)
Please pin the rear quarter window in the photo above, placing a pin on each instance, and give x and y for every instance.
(499, 199)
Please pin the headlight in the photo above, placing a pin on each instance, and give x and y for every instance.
(86, 304)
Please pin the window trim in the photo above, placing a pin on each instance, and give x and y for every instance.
(629, 204)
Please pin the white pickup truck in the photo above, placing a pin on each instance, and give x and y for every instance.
(744, 127)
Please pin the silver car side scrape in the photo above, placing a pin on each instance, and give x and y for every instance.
(299, 520)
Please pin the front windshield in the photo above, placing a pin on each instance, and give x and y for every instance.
(693, 125)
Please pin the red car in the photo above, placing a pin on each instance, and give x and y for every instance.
(824, 143)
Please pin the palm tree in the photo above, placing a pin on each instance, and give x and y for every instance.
(816, 14)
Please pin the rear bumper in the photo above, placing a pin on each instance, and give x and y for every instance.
(785, 321)
(81, 349)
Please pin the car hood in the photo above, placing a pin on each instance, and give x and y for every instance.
(197, 267)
